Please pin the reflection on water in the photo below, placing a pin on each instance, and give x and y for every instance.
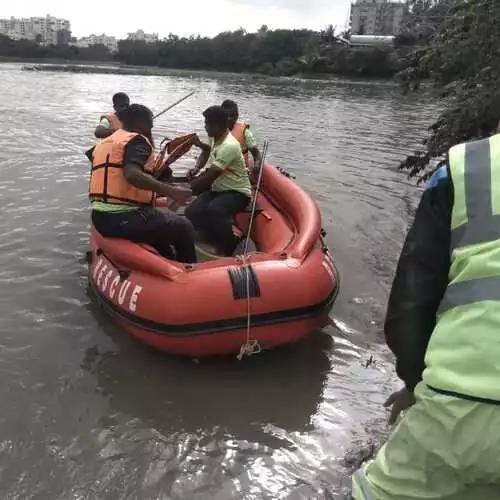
(87, 412)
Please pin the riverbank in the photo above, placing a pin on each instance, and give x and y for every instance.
(53, 60)
(114, 69)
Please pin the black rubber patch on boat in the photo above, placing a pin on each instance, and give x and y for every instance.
(239, 277)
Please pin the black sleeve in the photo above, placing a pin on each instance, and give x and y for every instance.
(420, 282)
(137, 151)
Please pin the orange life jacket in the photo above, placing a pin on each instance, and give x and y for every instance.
(107, 179)
(114, 122)
(176, 148)
(238, 132)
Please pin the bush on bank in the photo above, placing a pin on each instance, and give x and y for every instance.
(463, 62)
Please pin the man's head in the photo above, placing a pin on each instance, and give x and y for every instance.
(121, 102)
(138, 118)
(231, 109)
(215, 121)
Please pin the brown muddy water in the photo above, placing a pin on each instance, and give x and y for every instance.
(89, 413)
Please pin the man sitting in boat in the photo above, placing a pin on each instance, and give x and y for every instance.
(122, 191)
(224, 188)
(241, 131)
(111, 122)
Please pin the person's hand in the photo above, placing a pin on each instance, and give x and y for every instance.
(400, 401)
(192, 173)
(178, 194)
(181, 195)
(197, 142)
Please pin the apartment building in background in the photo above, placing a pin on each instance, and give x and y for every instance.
(46, 30)
(108, 41)
(377, 17)
(140, 36)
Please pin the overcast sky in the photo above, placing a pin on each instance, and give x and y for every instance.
(184, 17)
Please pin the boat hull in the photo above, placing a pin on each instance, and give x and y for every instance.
(275, 296)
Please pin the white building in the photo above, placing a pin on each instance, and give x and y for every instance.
(377, 17)
(108, 41)
(140, 36)
(46, 30)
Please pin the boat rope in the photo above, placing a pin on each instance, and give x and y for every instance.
(251, 346)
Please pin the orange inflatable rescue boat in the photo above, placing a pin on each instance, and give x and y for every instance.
(277, 294)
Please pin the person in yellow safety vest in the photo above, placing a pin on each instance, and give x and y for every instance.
(123, 189)
(111, 122)
(443, 325)
(241, 131)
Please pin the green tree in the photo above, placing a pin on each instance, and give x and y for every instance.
(274, 52)
(464, 63)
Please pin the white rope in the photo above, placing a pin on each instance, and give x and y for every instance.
(251, 346)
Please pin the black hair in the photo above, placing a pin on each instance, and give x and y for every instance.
(135, 113)
(216, 115)
(119, 97)
(229, 105)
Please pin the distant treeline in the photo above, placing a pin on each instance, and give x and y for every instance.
(27, 49)
(271, 52)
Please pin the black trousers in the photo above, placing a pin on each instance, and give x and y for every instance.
(170, 234)
(213, 213)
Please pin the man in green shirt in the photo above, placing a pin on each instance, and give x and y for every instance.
(224, 189)
(241, 131)
(113, 121)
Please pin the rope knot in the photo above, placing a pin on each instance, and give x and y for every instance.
(249, 348)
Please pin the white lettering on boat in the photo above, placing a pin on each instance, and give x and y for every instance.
(133, 298)
(112, 287)
(97, 267)
(123, 292)
(108, 282)
(101, 274)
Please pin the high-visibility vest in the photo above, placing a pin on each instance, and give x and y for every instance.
(463, 354)
(238, 132)
(114, 122)
(107, 178)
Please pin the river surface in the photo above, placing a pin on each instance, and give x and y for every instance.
(89, 413)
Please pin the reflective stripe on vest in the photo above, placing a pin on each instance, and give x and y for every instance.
(467, 292)
(475, 221)
(476, 183)
(463, 351)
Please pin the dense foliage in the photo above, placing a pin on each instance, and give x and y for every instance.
(278, 52)
(463, 61)
(424, 18)
(26, 49)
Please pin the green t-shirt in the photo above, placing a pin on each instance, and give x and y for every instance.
(228, 157)
(250, 141)
(105, 122)
(100, 206)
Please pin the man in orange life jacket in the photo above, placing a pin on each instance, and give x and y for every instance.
(123, 188)
(111, 122)
(241, 131)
